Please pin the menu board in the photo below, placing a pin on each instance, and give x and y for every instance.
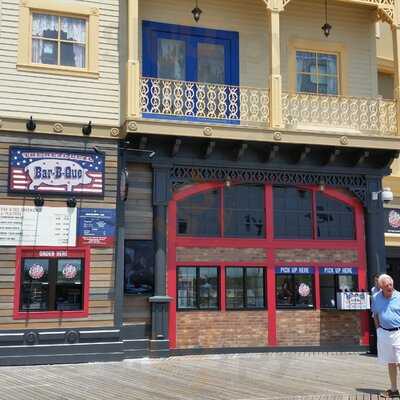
(37, 226)
(96, 227)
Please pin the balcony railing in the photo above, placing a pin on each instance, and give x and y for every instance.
(195, 101)
(246, 106)
(361, 114)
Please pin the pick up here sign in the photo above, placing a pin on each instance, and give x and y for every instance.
(38, 170)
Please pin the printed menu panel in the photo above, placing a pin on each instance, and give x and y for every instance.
(37, 226)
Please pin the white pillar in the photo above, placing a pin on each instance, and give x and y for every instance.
(275, 77)
(133, 65)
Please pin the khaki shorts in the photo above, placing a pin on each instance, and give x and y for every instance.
(388, 346)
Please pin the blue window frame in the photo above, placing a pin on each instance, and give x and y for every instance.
(190, 54)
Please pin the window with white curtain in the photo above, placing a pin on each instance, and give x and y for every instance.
(317, 72)
(59, 40)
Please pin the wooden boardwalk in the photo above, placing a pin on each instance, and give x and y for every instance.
(309, 376)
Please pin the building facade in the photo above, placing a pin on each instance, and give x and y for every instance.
(271, 143)
(178, 180)
(60, 99)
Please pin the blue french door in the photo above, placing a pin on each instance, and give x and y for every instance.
(183, 53)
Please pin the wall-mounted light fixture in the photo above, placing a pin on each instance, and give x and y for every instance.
(38, 201)
(87, 129)
(386, 195)
(71, 202)
(326, 28)
(31, 124)
(196, 12)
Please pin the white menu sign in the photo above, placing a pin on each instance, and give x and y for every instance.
(37, 226)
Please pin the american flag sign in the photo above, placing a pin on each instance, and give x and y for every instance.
(37, 170)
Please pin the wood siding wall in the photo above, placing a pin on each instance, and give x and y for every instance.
(138, 226)
(139, 206)
(60, 97)
(353, 26)
(102, 267)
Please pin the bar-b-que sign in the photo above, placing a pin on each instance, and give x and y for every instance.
(37, 170)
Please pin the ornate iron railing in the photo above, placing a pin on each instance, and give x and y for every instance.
(204, 101)
(372, 115)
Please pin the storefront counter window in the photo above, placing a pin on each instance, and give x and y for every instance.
(294, 287)
(245, 288)
(51, 283)
(197, 288)
(331, 283)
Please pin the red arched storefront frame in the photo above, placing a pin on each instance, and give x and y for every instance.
(269, 243)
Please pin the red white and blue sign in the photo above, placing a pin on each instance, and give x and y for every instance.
(37, 170)
(96, 227)
(338, 270)
(294, 270)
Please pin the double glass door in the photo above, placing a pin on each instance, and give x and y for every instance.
(200, 58)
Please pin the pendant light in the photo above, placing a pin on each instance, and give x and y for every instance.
(196, 12)
(326, 27)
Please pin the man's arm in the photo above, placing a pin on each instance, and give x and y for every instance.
(376, 321)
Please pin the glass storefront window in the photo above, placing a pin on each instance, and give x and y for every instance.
(52, 284)
(197, 288)
(330, 284)
(294, 291)
(245, 288)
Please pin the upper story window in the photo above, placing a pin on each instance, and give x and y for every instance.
(238, 209)
(292, 213)
(317, 72)
(244, 211)
(59, 40)
(335, 220)
(299, 214)
(199, 215)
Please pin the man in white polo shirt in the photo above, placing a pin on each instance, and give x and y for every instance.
(386, 309)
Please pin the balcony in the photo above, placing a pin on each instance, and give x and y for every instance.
(270, 59)
(250, 107)
(369, 116)
(204, 102)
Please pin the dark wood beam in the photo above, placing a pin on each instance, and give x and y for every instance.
(390, 158)
(360, 158)
(143, 142)
(305, 151)
(271, 153)
(209, 148)
(176, 146)
(332, 156)
(240, 151)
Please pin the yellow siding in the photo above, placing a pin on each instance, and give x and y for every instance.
(59, 97)
(353, 26)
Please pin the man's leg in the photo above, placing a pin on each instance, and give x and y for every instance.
(393, 376)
